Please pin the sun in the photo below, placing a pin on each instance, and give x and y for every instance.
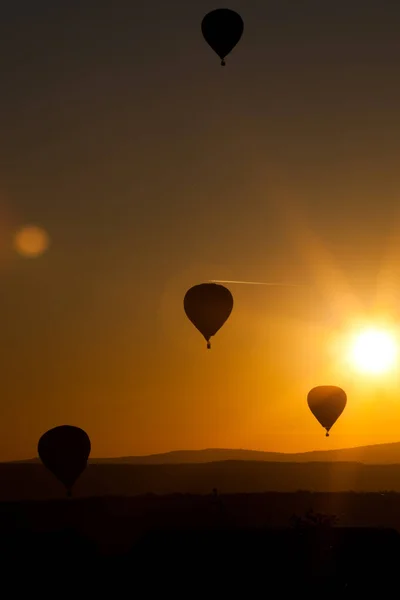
(374, 351)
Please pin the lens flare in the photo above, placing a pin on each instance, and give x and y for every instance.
(31, 241)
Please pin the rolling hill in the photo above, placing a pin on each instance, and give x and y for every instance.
(375, 454)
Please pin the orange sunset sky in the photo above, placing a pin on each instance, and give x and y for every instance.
(152, 169)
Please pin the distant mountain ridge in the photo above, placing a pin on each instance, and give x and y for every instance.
(374, 454)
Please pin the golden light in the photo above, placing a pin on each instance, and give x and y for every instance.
(374, 351)
(31, 241)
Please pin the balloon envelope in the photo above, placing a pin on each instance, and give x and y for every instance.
(222, 29)
(65, 450)
(208, 306)
(327, 402)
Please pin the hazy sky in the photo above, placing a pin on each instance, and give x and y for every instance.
(153, 169)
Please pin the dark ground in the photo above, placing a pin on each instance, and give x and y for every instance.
(19, 481)
(215, 544)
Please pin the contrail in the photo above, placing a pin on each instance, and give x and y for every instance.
(257, 283)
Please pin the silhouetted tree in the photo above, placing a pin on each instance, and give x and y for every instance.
(313, 519)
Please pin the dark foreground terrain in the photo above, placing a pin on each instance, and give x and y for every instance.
(250, 544)
(27, 481)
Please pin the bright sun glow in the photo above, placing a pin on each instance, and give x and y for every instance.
(374, 351)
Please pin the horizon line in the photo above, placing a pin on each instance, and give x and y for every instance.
(213, 450)
(269, 284)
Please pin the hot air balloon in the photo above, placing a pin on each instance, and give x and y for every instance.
(208, 306)
(65, 450)
(327, 402)
(222, 29)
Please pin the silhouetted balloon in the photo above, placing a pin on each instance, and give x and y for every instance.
(65, 450)
(327, 402)
(222, 29)
(208, 306)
